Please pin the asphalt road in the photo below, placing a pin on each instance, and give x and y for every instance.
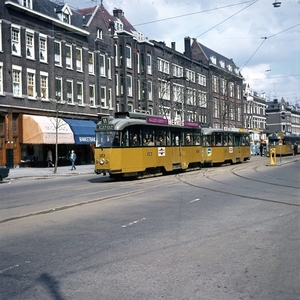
(218, 233)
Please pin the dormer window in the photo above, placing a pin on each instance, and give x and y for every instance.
(64, 13)
(222, 64)
(119, 25)
(229, 67)
(213, 59)
(26, 3)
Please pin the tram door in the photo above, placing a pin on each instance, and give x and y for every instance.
(176, 139)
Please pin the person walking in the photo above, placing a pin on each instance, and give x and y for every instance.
(72, 159)
(295, 149)
(261, 149)
(49, 158)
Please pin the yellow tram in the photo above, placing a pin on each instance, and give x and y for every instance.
(141, 145)
(283, 143)
(225, 146)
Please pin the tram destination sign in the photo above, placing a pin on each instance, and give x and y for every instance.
(156, 120)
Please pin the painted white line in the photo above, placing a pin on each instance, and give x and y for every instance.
(134, 222)
(15, 266)
(195, 200)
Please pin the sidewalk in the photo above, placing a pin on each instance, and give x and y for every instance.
(18, 173)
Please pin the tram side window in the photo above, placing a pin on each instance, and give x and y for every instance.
(125, 138)
(161, 138)
(238, 141)
(148, 137)
(197, 139)
(245, 140)
(135, 137)
(188, 138)
(218, 139)
(175, 138)
(230, 140)
(207, 140)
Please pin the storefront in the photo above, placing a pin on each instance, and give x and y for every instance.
(41, 134)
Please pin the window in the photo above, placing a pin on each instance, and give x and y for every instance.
(216, 107)
(109, 68)
(57, 53)
(215, 84)
(102, 65)
(137, 59)
(149, 88)
(129, 86)
(99, 33)
(177, 71)
(164, 90)
(178, 93)
(149, 67)
(103, 96)
(139, 89)
(43, 48)
(238, 92)
(116, 55)
(190, 75)
(15, 41)
(201, 79)
(69, 60)
(1, 78)
(91, 63)
(66, 18)
(30, 44)
(191, 96)
(213, 59)
(26, 3)
(202, 99)
(31, 91)
(44, 86)
(80, 93)
(0, 35)
(231, 89)
(70, 91)
(16, 81)
(117, 84)
(109, 98)
(128, 57)
(92, 94)
(223, 86)
(58, 89)
(163, 66)
(79, 59)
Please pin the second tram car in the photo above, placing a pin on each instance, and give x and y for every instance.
(284, 144)
(225, 146)
(141, 145)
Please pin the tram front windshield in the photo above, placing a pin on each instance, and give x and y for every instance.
(107, 139)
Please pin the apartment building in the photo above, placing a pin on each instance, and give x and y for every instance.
(56, 77)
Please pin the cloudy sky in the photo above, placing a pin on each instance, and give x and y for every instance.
(263, 41)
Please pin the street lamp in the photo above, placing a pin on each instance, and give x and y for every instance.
(277, 4)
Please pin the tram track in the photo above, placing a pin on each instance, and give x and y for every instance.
(184, 179)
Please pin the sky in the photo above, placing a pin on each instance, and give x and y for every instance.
(263, 41)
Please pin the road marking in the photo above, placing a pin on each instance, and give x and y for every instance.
(134, 222)
(195, 200)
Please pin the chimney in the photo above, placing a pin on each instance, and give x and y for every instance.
(187, 47)
(173, 45)
(118, 13)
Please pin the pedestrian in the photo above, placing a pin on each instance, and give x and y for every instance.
(49, 158)
(261, 149)
(72, 159)
(295, 149)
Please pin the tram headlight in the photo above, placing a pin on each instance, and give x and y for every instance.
(101, 161)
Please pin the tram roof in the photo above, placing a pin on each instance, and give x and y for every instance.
(208, 131)
(123, 120)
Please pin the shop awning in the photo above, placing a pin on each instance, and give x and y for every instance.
(84, 131)
(42, 130)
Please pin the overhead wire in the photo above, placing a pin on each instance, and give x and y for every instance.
(194, 13)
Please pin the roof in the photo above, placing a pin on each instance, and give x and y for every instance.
(221, 61)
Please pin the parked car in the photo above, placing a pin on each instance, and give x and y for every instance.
(254, 149)
(4, 172)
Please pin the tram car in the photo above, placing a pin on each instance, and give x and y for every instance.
(284, 144)
(225, 146)
(141, 145)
